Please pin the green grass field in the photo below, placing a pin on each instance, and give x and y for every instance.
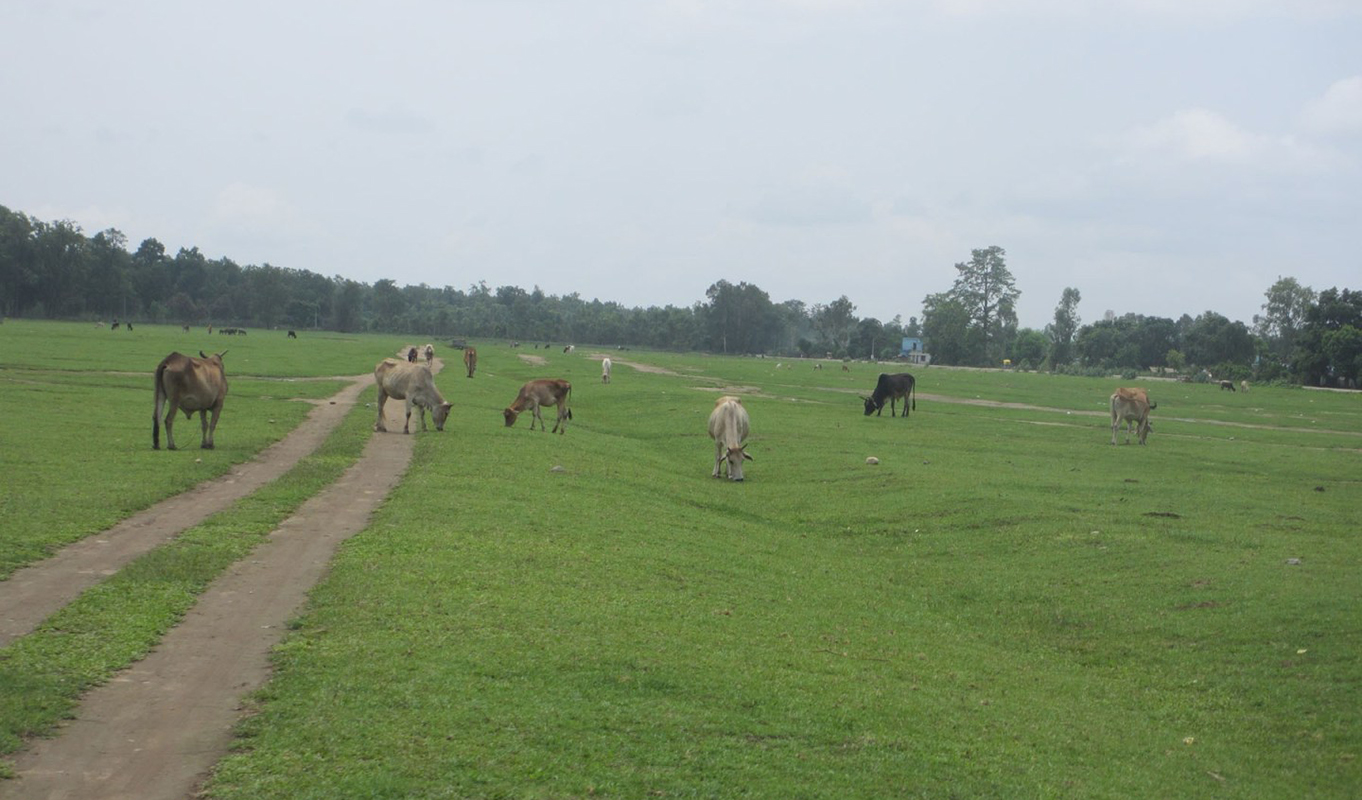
(1006, 605)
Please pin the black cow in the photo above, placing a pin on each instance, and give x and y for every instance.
(891, 388)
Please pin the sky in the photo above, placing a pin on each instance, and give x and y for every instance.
(1164, 157)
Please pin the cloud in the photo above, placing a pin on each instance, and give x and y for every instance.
(1198, 135)
(1338, 112)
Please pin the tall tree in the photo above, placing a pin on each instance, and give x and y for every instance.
(835, 323)
(945, 328)
(1062, 330)
(1283, 315)
(989, 294)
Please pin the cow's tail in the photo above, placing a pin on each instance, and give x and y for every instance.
(912, 394)
(568, 400)
(156, 412)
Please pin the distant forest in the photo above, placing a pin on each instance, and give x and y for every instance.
(53, 270)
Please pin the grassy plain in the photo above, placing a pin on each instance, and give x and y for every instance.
(76, 406)
(1005, 605)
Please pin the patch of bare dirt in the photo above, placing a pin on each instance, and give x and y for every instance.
(538, 361)
(157, 728)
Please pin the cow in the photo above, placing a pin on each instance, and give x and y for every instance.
(411, 382)
(605, 370)
(470, 360)
(411, 356)
(542, 392)
(728, 427)
(184, 329)
(891, 388)
(1227, 385)
(1131, 406)
(1243, 386)
(188, 384)
(292, 335)
(429, 353)
(569, 348)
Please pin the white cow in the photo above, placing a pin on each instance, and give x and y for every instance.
(728, 427)
(429, 352)
(605, 370)
(412, 382)
(1131, 406)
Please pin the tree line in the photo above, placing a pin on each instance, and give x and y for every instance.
(54, 270)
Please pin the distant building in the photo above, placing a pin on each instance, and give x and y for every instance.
(911, 349)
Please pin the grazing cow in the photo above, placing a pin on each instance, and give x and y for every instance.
(542, 392)
(892, 388)
(1131, 406)
(184, 328)
(569, 348)
(114, 326)
(728, 427)
(470, 360)
(1243, 386)
(429, 353)
(292, 335)
(1227, 385)
(188, 384)
(413, 383)
(129, 326)
(605, 370)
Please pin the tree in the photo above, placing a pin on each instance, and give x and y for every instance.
(1213, 340)
(1028, 348)
(835, 323)
(1323, 354)
(989, 295)
(349, 305)
(945, 328)
(740, 319)
(1062, 330)
(1284, 313)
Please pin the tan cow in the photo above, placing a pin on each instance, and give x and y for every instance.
(605, 370)
(470, 360)
(728, 427)
(188, 384)
(402, 380)
(542, 392)
(1131, 406)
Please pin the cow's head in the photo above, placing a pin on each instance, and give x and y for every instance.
(440, 413)
(736, 455)
(870, 405)
(510, 416)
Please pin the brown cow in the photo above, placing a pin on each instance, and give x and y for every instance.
(470, 360)
(411, 382)
(542, 392)
(188, 384)
(1131, 406)
(728, 427)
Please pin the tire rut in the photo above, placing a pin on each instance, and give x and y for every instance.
(156, 729)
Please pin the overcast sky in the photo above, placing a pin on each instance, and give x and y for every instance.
(1162, 156)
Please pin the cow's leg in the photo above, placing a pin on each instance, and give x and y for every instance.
(170, 426)
(562, 419)
(718, 457)
(406, 425)
(205, 443)
(535, 416)
(421, 412)
(382, 398)
(213, 425)
(1115, 423)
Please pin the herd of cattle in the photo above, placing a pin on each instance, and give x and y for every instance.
(188, 384)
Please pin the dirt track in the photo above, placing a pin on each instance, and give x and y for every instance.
(157, 728)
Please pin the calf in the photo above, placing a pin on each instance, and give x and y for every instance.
(728, 427)
(891, 388)
(1131, 406)
(413, 383)
(188, 384)
(542, 392)
(605, 370)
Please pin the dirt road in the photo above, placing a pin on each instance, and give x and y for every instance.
(157, 728)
